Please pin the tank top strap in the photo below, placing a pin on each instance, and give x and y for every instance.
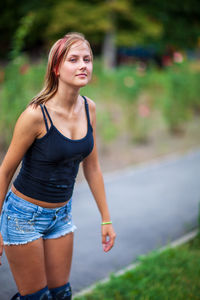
(48, 115)
(87, 110)
(45, 119)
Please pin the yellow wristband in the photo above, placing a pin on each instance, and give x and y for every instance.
(105, 223)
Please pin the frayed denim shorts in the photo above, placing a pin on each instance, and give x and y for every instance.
(22, 221)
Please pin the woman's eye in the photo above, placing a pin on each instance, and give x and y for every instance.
(86, 59)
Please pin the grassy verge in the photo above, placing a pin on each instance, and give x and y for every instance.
(171, 275)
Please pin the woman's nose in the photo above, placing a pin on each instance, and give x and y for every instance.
(82, 64)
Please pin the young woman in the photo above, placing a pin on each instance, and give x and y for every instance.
(51, 137)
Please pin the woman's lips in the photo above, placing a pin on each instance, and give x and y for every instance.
(82, 75)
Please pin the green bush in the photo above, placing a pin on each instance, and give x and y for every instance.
(22, 81)
(174, 92)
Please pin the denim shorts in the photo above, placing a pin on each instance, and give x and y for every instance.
(22, 221)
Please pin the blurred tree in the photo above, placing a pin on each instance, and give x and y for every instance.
(180, 20)
(114, 22)
(21, 33)
(14, 15)
(128, 26)
(109, 42)
(111, 23)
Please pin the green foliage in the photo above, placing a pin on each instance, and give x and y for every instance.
(107, 129)
(127, 98)
(172, 274)
(22, 82)
(39, 23)
(176, 94)
(20, 34)
(139, 28)
(75, 14)
(131, 24)
(14, 13)
(180, 21)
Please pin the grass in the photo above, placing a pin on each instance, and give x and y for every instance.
(170, 275)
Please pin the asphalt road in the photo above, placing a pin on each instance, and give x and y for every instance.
(150, 205)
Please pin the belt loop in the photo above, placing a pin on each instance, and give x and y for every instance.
(39, 209)
(36, 212)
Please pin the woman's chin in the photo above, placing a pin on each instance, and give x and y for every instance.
(81, 84)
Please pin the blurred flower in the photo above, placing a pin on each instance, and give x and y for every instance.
(178, 57)
(167, 61)
(143, 110)
(129, 81)
(24, 69)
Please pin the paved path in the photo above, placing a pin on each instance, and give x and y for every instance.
(150, 205)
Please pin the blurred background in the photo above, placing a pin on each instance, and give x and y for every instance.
(146, 70)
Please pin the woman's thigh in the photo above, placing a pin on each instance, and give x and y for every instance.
(58, 258)
(27, 265)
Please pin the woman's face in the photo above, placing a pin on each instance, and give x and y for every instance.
(78, 61)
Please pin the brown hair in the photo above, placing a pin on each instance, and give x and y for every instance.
(57, 54)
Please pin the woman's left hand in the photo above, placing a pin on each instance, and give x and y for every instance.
(108, 237)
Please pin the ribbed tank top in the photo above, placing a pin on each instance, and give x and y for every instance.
(50, 166)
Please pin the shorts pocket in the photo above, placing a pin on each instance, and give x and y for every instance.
(19, 225)
(13, 210)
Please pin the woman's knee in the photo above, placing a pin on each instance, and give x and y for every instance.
(43, 294)
(60, 293)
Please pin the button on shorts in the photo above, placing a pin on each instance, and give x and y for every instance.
(22, 221)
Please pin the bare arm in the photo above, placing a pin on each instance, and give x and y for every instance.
(26, 130)
(94, 177)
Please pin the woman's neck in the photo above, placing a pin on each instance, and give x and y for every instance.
(66, 98)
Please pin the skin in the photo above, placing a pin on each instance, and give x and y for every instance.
(43, 262)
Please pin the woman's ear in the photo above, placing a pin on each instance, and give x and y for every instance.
(56, 72)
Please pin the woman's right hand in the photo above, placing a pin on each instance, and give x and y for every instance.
(1, 248)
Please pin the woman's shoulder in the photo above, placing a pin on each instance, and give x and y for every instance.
(32, 113)
(92, 109)
(91, 103)
(29, 122)
(31, 117)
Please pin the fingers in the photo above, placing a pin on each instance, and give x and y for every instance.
(105, 242)
(109, 244)
(106, 247)
(104, 238)
(108, 240)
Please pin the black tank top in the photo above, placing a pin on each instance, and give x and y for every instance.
(50, 166)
